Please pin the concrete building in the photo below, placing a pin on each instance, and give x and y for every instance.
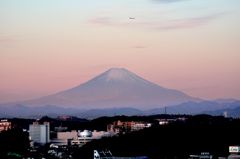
(119, 127)
(79, 137)
(203, 155)
(5, 125)
(64, 137)
(40, 133)
(140, 126)
(60, 129)
(87, 136)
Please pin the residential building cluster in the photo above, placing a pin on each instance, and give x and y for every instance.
(39, 133)
(119, 127)
(167, 121)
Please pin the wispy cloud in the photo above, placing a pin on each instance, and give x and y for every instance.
(187, 22)
(9, 41)
(158, 24)
(102, 20)
(166, 1)
(5, 39)
(139, 47)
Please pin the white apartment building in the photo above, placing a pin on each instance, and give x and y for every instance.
(40, 133)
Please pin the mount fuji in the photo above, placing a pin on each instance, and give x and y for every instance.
(115, 88)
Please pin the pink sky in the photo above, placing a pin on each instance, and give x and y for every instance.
(192, 46)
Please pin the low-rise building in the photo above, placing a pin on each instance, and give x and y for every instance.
(5, 125)
(60, 129)
(202, 155)
(126, 126)
(79, 137)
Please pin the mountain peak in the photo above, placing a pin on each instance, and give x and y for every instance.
(121, 75)
(117, 74)
(117, 70)
(116, 87)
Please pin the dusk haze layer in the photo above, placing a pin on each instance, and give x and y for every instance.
(48, 46)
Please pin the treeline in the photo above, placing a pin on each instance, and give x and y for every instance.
(74, 123)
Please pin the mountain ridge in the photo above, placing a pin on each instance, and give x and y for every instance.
(191, 108)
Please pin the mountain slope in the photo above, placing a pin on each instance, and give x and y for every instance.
(116, 87)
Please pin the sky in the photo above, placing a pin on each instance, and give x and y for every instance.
(48, 46)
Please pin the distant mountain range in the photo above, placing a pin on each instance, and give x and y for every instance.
(205, 107)
(116, 92)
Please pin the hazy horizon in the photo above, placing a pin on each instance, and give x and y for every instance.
(188, 45)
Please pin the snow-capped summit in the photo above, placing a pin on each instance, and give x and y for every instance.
(117, 74)
(117, 87)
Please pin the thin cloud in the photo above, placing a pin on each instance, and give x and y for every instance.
(166, 1)
(4, 39)
(102, 20)
(8, 41)
(187, 22)
(172, 24)
(139, 47)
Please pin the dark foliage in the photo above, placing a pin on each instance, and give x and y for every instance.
(13, 143)
(200, 133)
